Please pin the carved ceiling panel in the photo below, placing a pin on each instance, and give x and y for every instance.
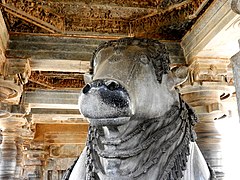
(15, 24)
(54, 80)
(142, 18)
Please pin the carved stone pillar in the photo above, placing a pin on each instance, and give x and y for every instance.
(33, 154)
(11, 121)
(32, 163)
(14, 72)
(8, 154)
(208, 87)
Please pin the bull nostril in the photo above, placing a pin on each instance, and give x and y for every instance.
(112, 85)
(99, 83)
(86, 89)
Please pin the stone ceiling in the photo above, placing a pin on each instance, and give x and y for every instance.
(94, 19)
(164, 19)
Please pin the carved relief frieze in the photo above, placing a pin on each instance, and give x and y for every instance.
(207, 73)
(178, 18)
(209, 70)
(130, 3)
(75, 23)
(100, 11)
(66, 150)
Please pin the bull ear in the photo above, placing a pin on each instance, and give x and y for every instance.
(87, 78)
(180, 74)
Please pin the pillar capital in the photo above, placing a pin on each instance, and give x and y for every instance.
(14, 74)
(209, 86)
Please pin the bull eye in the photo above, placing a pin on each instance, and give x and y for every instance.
(112, 85)
(144, 59)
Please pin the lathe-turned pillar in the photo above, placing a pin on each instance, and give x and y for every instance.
(8, 151)
(209, 87)
(11, 122)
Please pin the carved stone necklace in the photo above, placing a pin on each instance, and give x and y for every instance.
(167, 146)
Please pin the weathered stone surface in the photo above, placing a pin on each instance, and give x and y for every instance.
(130, 120)
(208, 87)
(52, 99)
(163, 19)
(214, 35)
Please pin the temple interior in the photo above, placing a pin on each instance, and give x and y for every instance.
(45, 50)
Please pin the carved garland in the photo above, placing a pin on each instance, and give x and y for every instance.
(176, 163)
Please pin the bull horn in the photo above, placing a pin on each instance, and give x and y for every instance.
(180, 74)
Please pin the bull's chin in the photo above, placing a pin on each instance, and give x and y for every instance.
(118, 121)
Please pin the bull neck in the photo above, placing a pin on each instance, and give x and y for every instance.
(155, 140)
(115, 135)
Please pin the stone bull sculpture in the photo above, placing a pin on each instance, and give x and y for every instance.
(139, 126)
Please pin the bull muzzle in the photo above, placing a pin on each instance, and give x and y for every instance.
(105, 102)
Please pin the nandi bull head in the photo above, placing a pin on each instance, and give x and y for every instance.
(131, 80)
(139, 126)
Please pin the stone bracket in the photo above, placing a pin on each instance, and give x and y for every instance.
(13, 75)
(19, 67)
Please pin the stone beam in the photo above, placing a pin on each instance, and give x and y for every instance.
(57, 116)
(60, 65)
(51, 99)
(53, 53)
(215, 34)
(65, 53)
